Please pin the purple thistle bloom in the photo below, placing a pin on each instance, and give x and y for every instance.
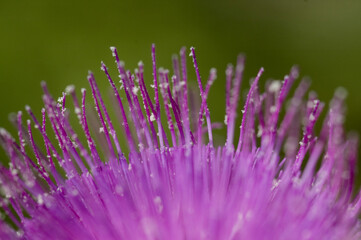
(169, 180)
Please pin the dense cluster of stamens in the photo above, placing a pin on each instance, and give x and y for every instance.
(169, 181)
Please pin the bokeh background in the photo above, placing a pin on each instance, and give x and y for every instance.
(59, 41)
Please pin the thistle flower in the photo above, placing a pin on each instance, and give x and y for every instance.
(169, 181)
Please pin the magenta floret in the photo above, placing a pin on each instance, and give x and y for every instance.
(162, 177)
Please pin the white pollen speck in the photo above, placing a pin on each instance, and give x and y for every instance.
(20, 233)
(101, 130)
(275, 86)
(69, 89)
(273, 109)
(40, 200)
(14, 172)
(113, 51)
(135, 90)
(260, 131)
(121, 64)
(191, 53)
(152, 118)
(312, 117)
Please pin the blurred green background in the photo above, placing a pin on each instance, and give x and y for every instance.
(59, 41)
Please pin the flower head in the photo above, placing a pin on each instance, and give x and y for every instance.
(161, 176)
